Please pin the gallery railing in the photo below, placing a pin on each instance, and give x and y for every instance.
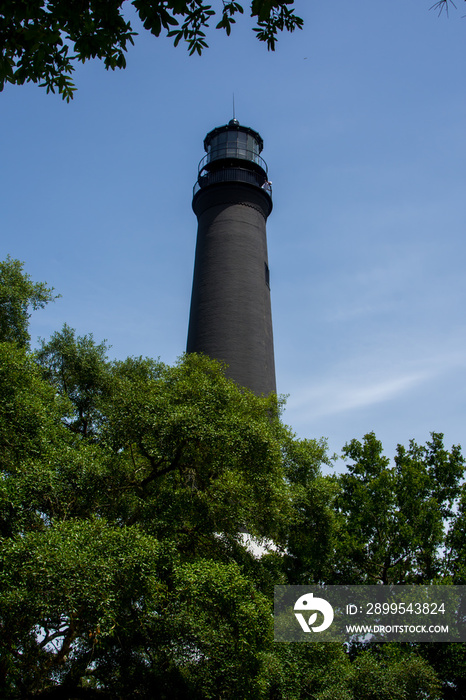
(207, 178)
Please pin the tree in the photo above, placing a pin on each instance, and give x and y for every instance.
(123, 566)
(40, 41)
(77, 367)
(17, 295)
(125, 490)
(393, 520)
(403, 524)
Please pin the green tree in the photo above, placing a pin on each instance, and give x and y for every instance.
(125, 490)
(402, 523)
(40, 41)
(123, 564)
(393, 519)
(310, 527)
(393, 675)
(19, 294)
(78, 368)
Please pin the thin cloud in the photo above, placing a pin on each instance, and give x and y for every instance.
(333, 396)
(358, 386)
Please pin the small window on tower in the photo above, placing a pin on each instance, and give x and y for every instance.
(267, 275)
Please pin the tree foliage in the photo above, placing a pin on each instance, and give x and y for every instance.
(18, 294)
(77, 367)
(394, 519)
(40, 41)
(125, 491)
(404, 524)
(123, 561)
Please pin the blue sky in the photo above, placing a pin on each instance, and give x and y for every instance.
(362, 115)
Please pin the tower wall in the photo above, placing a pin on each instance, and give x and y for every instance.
(231, 318)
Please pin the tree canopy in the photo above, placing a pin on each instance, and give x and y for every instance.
(126, 488)
(41, 41)
(18, 294)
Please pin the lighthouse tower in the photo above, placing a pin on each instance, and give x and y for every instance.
(231, 318)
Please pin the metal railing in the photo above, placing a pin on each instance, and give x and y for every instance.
(232, 151)
(232, 175)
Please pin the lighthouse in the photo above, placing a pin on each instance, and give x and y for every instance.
(231, 318)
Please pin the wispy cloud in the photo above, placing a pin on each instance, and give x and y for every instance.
(362, 384)
(332, 396)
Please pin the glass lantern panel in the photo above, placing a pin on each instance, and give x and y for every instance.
(253, 148)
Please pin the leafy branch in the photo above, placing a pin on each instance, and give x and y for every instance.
(40, 42)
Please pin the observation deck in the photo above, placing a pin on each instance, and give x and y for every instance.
(233, 155)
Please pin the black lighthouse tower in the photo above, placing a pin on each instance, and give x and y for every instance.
(231, 318)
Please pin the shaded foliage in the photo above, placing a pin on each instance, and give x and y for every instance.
(18, 294)
(394, 519)
(125, 491)
(41, 41)
(77, 368)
